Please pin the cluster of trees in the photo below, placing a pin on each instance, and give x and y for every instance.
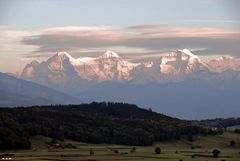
(114, 123)
(157, 150)
(220, 122)
(12, 135)
(237, 131)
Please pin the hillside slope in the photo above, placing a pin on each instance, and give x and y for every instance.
(18, 92)
(114, 123)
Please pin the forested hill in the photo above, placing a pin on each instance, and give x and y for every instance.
(219, 122)
(114, 123)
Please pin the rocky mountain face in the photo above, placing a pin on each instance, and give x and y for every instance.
(63, 69)
(224, 63)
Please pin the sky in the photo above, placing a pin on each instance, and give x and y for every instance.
(37, 29)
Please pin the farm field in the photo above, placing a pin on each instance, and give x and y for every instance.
(198, 150)
(232, 128)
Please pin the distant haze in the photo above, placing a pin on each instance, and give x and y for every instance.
(178, 84)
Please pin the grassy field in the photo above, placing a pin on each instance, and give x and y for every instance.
(200, 148)
(232, 128)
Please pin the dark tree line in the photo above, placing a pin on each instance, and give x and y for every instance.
(114, 123)
(219, 122)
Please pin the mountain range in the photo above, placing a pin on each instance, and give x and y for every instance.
(178, 84)
(176, 66)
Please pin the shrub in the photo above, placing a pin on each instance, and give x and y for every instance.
(157, 150)
(133, 149)
(232, 143)
(91, 152)
(215, 153)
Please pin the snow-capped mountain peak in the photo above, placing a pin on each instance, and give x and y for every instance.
(62, 56)
(187, 52)
(224, 63)
(110, 54)
(175, 66)
(34, 63)
(181, 62)
(222, 58)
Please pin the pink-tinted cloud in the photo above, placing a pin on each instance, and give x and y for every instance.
(146, 37)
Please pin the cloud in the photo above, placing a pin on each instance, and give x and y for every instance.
(146, 38)
(10, 40)
(136, 43)
(146, 27)
(75, 38)
(5, 33)
(12, 51)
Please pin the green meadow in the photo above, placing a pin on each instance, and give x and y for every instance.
(232, 128)
(198, 150)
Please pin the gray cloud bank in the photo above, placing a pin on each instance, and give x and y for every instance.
(149, 38)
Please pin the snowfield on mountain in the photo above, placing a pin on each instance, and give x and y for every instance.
(176, 66)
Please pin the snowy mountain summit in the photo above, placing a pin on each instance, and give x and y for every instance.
(110, 54)
(187, 52)
(181, 61)
(62, 66)
(178, 65)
